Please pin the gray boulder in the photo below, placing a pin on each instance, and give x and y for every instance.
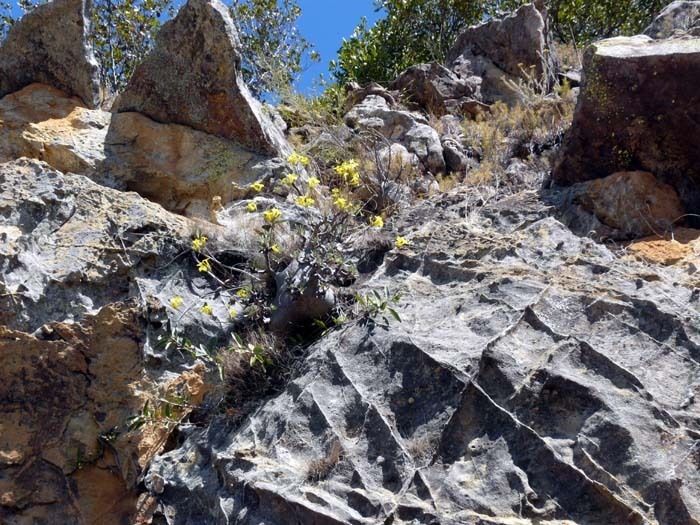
(192, 77)
(356, 94)
(437, 90)
(50, 45)
(639, 109)
(501, 52)
(676, 19)
(409, 129)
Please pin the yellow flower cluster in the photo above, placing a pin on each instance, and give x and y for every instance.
(296, 159)
(342, 203)
(289, 179)
(207, 310)
(176, 302)
(305, 201)
(243, 294)
(198, 243)
(401, 242)
(257, 186)
(376, 222)
(349, 171)
(313, 182)
(272, 215)
(252, 206)
(204, 266)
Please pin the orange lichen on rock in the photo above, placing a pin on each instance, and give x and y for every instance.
(682, 245)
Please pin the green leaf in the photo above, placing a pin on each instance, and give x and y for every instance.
(394, 314)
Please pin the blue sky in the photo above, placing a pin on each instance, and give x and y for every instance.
(325, 23)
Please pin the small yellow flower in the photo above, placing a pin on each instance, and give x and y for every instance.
(207, 310)
(176, 302)
(198, 243)
(376, 222)
(257, 186)
(272, 215)
(348, 170)
(252, 206)
(232, 312)
(204, 266)
(289, 179)
(243, 294)
(305, 201)
(313, 182)
(275, 249)
(295, 159)
(342, 203)
(401, 242)
(335, 192)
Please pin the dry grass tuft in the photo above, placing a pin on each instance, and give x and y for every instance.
(320, 469)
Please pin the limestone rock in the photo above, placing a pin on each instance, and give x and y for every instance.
(66, 392)
(678, 18)
(437, 90)
(43, 123)
(519, 387)
(503, 51)
(634, 203)
(50, 45)
(409, 129)
(192, 77)
(71, 247)
(178, 167)
(638, 110)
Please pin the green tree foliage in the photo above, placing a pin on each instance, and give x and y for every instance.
(123, 32)
(583, 21)
(274, 52)
(413, 31)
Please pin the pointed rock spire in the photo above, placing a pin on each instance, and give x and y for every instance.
(50, 45)
(192, 77)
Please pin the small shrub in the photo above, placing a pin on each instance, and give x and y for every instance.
(374, 304)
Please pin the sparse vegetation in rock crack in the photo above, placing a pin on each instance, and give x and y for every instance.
(294, 286)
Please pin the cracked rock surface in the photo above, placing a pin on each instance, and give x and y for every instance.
(536, 377)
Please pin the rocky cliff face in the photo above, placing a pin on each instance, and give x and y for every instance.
(533, 372)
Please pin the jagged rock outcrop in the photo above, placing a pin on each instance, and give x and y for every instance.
(409, 129)
(176, 166)
(50, 45)
(535, 375)
(638, 110)
(71, 247)
(87, 274)
(676, 19)
(439, 91)
(192, 77)
(504, 51)
(529, 381)
(65, 393)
